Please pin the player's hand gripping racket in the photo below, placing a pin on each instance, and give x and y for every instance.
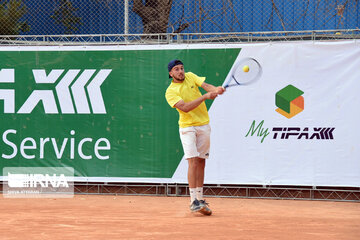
(245, 72)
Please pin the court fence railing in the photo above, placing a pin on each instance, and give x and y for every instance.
(177, 38)
(342, 194)
(220, 190)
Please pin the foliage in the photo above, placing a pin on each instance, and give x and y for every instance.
(64, 14)
(11, 13)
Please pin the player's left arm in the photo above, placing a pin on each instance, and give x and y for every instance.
(211, 88)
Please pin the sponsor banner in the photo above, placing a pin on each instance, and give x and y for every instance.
(101, 111)
(296, 125)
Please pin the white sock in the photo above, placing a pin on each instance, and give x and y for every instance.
(199, 193)
(192, 194)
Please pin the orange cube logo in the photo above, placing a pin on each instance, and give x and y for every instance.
(289, 101)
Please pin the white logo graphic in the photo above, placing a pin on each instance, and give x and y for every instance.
(62, 90)
(36, 180)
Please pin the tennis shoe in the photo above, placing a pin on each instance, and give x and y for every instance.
(205, 208)
(195, 206)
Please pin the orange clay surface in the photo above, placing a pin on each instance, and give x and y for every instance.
(145, 217)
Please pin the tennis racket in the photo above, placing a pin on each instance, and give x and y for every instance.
(245, 72)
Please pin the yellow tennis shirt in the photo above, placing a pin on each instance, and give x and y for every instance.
(188, 90)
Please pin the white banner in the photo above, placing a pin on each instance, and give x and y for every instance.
(316, 144)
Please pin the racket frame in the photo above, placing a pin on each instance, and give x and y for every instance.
(237, 65)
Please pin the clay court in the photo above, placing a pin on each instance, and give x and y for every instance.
(146, 217)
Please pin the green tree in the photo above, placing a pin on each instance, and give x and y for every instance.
(64, 14)
(11, 13)
(154, 14)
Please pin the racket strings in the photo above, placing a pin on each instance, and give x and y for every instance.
(242, 77)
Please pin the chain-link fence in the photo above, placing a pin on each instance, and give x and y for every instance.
(59, 17)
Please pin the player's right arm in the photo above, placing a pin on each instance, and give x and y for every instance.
(188, 106)
(210, 88)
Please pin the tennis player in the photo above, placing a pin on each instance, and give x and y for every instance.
(184, 95)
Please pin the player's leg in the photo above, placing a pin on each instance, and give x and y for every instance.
(192, 172)
(200, 174)
(192, 179)
(203, 147)
(188, 140)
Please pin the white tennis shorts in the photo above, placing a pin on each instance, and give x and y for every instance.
(196, 141)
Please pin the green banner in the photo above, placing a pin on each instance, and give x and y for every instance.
(101, 112)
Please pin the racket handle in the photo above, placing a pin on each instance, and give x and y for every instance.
(232, 85)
